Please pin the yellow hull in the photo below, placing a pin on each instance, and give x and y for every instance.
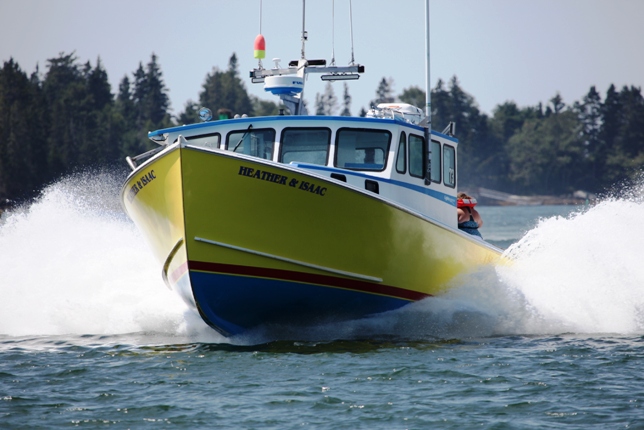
(249, 241)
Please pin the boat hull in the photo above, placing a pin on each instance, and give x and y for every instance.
(257, 242)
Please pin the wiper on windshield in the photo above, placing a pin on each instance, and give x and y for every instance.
(242, 138)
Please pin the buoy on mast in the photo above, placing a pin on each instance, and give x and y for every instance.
(260, 47)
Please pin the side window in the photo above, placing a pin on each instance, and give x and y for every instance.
(210, 140)
(436, 161)
(362, 149)
(401, 156)
(449, 166)
(306, 145)
(256, 142)
(416, 156)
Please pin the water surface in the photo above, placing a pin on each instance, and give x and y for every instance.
(91, 337)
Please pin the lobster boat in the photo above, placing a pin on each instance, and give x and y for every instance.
(303, 219)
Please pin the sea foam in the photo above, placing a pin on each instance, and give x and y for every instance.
(73, 263)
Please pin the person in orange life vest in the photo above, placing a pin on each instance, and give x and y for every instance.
(469, 220)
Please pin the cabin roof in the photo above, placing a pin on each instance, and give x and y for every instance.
(292, 118)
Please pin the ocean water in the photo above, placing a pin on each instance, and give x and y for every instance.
(90, 336)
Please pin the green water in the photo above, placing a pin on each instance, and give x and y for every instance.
(91, 338)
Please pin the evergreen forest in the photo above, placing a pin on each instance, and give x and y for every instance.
(67, 118)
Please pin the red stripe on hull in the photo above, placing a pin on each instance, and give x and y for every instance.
(310, 278)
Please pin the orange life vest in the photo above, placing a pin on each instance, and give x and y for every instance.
(462, 203)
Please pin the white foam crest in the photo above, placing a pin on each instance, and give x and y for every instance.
(72, 263)
(583, 273)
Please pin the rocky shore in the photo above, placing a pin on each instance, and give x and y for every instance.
(488, 197)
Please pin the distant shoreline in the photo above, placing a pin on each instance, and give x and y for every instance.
(488, 197)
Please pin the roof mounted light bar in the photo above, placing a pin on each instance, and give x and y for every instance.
(258, 75)
(340, 77)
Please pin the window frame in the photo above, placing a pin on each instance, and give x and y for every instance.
(201, 136)
(252, 130)
(280, 154)
(438, 161)
(423, 157)
(338, 133)
(453, 151)
(402, 143)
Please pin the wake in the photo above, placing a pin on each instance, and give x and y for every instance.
(74, 264)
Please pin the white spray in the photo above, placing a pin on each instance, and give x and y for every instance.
(72, 263)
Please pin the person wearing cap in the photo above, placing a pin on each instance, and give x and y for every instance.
(469, 220)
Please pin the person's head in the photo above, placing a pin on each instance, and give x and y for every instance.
(462, 195)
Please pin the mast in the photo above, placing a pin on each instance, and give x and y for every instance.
(288, 83)
(304, 34)
(428, 99)
(428, 89)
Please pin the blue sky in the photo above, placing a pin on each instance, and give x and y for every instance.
(500, 50)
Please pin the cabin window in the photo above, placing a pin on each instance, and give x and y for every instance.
(305, 145)
(449, 166)
(256, 142)
(362, 149)
(210, 140)
(401, 156)
(416, 156)
(436, 161)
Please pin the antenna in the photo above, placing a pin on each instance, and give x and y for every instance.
(288, 83)
(351, 25)
(305, 36)
(260, 43)
(333, 33)
(428, 88)
(428, 98)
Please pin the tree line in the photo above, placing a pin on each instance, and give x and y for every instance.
(591, 144)
(67, 119)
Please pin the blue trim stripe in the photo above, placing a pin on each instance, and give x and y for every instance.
(450, 200)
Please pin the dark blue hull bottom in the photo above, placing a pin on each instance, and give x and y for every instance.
(233, 304)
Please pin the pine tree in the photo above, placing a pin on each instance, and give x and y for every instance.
(330, 101)
(589, 113)
(414, 96)
(139, 91)
(384, 92)
(264, 107)
(611, 123)
(124, 101)
(65, 90)
(557, 103)
(190, 114)
(623, 133)
(319, 104)
(441, 110)
(471, 130)
(99, 87)
(98, 144)
(225, 91)
(22, 143)
(546, 155)
(156, 102)
(346, 102)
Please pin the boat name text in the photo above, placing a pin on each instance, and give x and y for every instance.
(282, 180)
(140, 183)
